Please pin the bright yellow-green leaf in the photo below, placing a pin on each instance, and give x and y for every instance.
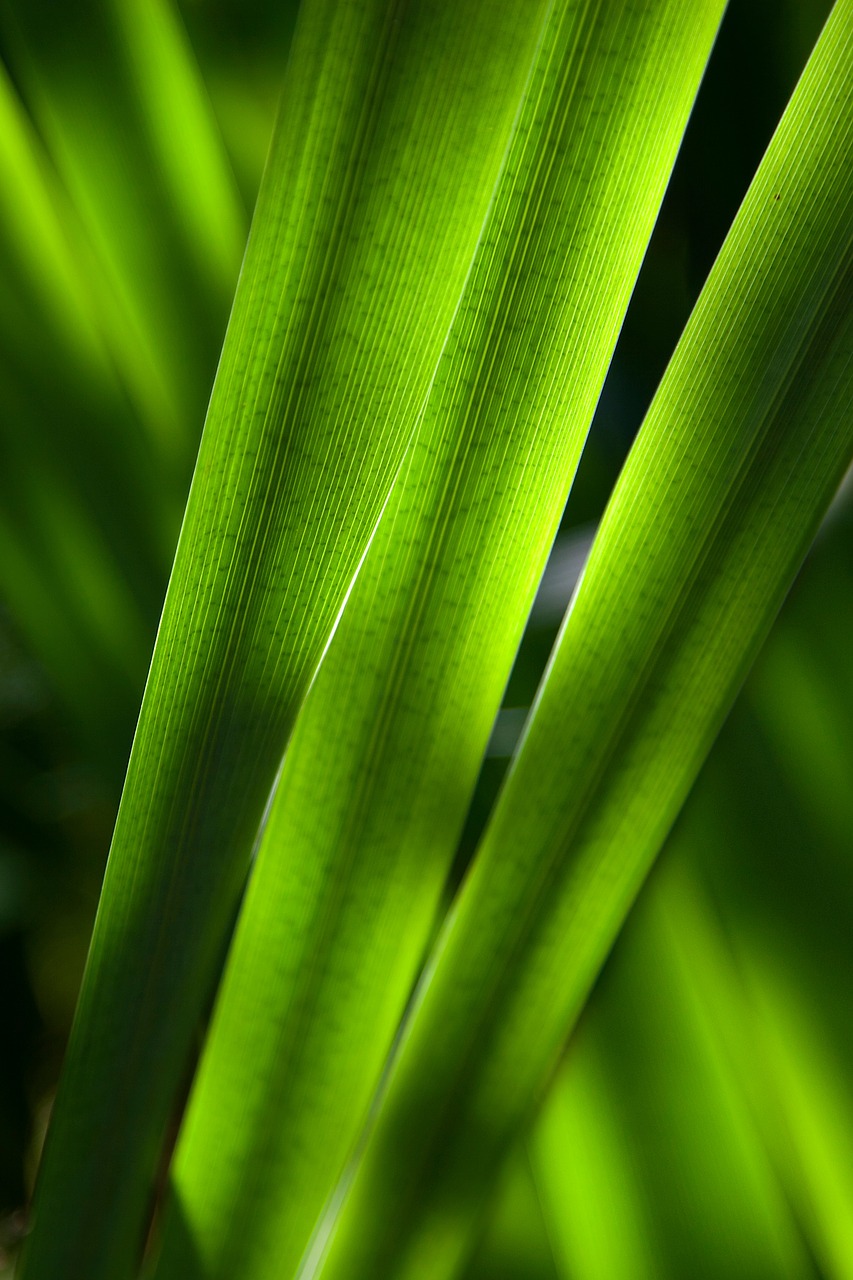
(392, 130)
(672, 1175)
(118, 99)
(378, 776)
(739, 457)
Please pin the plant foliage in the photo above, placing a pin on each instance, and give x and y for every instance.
(323, 1024)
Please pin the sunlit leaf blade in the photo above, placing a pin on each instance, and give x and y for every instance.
(377, 779)
(393, 127)
(741, 452)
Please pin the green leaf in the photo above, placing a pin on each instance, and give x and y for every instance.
(778, 990)
(114, 89)
(684, 1180)
(515, 1244)
(807, 1111)
(739, 457)
(771, 1041)
(591, 1196)
(393, 127)
(69, 600)
(86, 514)
(35, 239)
(378, 776)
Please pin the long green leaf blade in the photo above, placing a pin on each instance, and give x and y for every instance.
(377, 779)
(82, 538)
(394, 122)
(692, 1183)
(114, 89)
(793, 1082)
(515, 1244)
(591, 1197)
(743, 448)
(776, 980)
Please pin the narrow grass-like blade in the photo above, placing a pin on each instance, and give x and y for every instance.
(788, 1073)
(34, 236)
(692, 1181)
(116, 94)
(739, 457)
(68, 599)
(515, 1244)
(775, 981)
(88, 519)
(394, 122)
(377, 779)
(807, 1110)
(591, 1197)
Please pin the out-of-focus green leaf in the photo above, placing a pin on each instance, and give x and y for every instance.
(86, 517)
(802, 696)
(694, 1181)
(740, 455)
(114, 89)
(515, 1243)
(70, 602)
(772, 1048)
(393, 127)
(808, 1114)
(591, 1196)
(378, 776)
(777, 991)
(35, 234)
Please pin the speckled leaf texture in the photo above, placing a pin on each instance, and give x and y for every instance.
(394, 121)
(380, 771)
(741, 453)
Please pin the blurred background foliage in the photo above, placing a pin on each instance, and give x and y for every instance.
(702, 1123)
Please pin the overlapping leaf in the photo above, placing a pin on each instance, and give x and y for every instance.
(377, 779)
(647, 1153)
(743, 448)
(766, 831)
(117, 97)
(515, 1244)
(85, 518)
(394, 122)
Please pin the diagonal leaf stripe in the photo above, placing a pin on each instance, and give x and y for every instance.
(742, 450)
(117, 97)
(83, 505)
(788, 1070)
(591, 1199)
(647, 1071)
(377, 778)
(394, 122)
